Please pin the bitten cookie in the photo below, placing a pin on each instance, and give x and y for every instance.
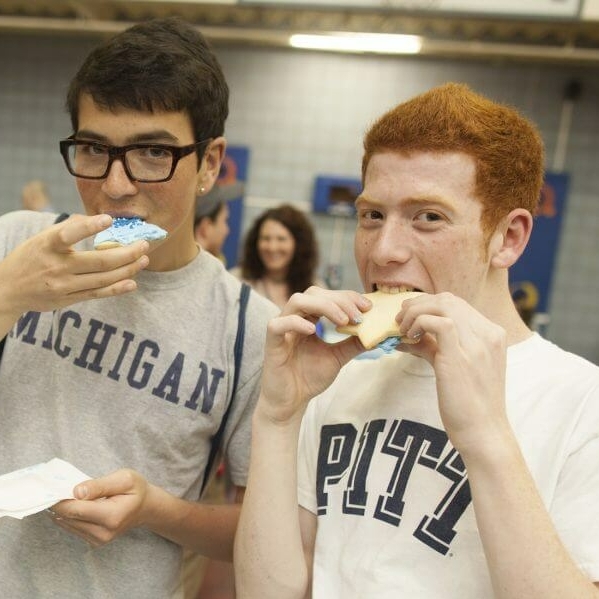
(125, 231)
(379, 322)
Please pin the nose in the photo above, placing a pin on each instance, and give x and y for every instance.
(391, 244)
(117, 183)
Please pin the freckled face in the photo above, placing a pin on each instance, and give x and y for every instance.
(169, 204)
(276, 246)
(419, 225)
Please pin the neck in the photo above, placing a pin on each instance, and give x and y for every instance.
(277, 276)
(498, 306)
(164, 258)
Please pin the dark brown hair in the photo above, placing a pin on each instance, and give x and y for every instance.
(158, 65)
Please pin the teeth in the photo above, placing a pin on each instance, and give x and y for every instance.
(389, 289)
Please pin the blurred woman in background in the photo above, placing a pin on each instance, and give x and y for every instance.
(280, 254)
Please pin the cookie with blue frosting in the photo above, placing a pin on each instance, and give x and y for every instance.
(125, 231)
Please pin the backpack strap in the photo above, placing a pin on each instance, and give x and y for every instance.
(62, 216)
(216, 440)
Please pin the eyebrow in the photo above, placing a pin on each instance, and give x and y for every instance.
(147, 136)
(415, 200)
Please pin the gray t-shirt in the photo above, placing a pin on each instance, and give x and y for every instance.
(138, 381)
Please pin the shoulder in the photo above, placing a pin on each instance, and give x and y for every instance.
(28, 221)
(554, 361)
(17, 226)
(261, 309)
(236, 272)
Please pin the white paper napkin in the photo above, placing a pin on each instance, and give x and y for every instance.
(35, 488)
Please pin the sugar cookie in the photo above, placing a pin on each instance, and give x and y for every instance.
(379, 322)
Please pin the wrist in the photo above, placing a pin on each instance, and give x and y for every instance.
(490, 449)
(269, 414)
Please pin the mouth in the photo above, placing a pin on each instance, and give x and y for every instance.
(394, 288)
(116, 214)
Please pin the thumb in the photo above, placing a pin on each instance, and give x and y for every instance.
(82, 490)
(117, 483)
(348, 349)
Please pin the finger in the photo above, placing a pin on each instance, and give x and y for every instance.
(119, 482)
(443, 329)
(93, 534)
(347, 349)
(96, 280)
(279, 326)
(339, 307)
(99, 511)
(77, 228)
(72, 290)
(94, 261)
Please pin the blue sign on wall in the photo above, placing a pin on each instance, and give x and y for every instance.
(531, 276)
(231, 186)
(335, 195)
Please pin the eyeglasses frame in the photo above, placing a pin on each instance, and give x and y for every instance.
(118, 152)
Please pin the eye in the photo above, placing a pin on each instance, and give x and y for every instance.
(156, 152)
(369, 214)
(428, 217)
(92, 149)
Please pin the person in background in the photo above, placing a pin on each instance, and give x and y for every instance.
(123, 361)
(280, 254)
(211, 222)
(34, 196)
(465, 465)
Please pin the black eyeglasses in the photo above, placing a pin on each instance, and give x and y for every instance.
(143, 162)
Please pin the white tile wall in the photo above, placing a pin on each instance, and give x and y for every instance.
(304, 114)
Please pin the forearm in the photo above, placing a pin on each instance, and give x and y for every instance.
(207, 529)
(524, 553)
(8, 313)
(269, 556)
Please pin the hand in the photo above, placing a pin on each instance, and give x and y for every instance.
(468, 354)
(45, 273)
(105, 507)
(298, 365)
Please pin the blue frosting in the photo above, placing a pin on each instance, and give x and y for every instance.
(384, 347)
(125, 231)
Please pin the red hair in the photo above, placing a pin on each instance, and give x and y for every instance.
(506, 147)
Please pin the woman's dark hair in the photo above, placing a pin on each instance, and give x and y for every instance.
(305, 258)
(158, 65)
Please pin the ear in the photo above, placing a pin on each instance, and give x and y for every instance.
(510, 238)
(211, 162)
(201, 228)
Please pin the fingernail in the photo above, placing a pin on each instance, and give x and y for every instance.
(81, 492)
(105, 220)
(357, 319)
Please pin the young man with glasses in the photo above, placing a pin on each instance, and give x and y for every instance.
(125, 361)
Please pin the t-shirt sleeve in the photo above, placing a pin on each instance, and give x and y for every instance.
(574, 508)
(306, 459)
(238, 433)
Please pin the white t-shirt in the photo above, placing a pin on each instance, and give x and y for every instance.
(395, 516)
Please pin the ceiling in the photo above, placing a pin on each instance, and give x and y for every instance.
(444, 35)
